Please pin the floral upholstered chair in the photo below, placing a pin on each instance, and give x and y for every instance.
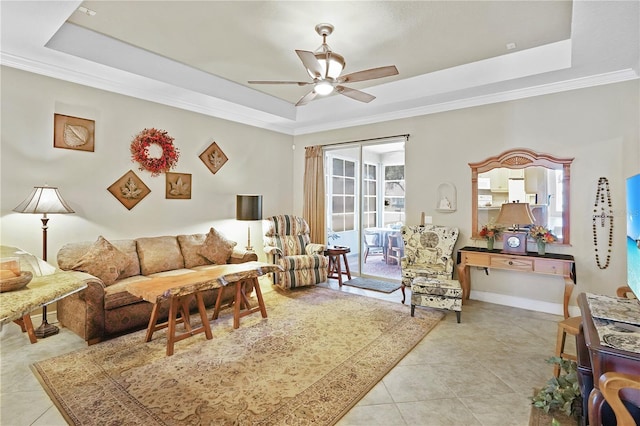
(427, 267)
(287, 243)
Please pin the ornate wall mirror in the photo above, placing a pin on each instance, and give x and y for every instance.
(522, 175)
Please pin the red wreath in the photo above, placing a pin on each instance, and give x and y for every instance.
(140, 151)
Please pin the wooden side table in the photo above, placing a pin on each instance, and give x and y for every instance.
(336, 254)
(47, 285)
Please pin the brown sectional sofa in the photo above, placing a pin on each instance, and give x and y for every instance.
(106, 310)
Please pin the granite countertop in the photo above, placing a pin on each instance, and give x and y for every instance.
(48, 285)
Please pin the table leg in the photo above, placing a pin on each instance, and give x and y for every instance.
(568, 289)
(346, 265)
(184, 313)
(152, 322)
(263, 308)
(203, 316)
(236, 305)
(338, 265)
(171, 332)
(465, 280)
(216, 309)
(27, 326)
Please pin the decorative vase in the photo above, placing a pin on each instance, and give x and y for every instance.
(490, 242)
(541, 247)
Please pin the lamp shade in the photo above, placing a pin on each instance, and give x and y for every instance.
(44, 199)
(515, 214)
(248, 207)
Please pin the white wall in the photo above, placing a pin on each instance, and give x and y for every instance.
(259, 163)
(597, 126)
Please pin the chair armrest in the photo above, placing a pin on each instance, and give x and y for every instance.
(313, 248)
(273, 251)
(448, 266)
(240, 255)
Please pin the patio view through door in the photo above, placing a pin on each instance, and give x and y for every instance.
(365, 192)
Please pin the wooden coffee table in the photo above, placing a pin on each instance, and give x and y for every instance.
(179, 289)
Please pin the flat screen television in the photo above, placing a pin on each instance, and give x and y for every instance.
(633, 234)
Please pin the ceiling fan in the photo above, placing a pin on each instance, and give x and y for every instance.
(325, 66)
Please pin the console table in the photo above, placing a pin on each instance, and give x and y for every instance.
(550, 264)
(603, 334)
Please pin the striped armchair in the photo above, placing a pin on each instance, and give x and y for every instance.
(287, 243)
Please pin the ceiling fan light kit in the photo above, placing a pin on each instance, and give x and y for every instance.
(325, 67)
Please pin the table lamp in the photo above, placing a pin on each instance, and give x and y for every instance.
(514, 215)
(249, 207)
(45, 200)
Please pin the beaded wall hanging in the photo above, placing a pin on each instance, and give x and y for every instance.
(601, 212)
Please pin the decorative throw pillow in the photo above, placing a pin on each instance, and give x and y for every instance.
(103, 260)
(216, 248)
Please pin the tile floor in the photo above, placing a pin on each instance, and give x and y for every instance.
(479, 372)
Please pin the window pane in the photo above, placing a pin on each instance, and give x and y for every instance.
(394, 173)
(350, 169)
(371, 188)
(349, 186)
(338, 167)
(337, 223)
(338, 205)
(349, 205)
(369, 171)
(394, 189)
(338, 185)
(349, 222)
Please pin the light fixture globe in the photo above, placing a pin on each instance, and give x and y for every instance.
(335, 61)
(323, 87)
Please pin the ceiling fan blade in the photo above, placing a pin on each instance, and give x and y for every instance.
(310, 62)
(355, 94)
(299, 83)
(307, 98)
(369, 74)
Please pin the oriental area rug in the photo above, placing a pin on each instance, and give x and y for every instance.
(315, 356)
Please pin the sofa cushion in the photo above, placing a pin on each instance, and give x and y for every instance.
(190, 244)
(102, 260)
(216, 247)
(70, 253)
(159, 254)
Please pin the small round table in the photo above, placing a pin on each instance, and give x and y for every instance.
(336, 255)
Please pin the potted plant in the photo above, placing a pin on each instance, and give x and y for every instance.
(332, 235)
(489, 232)
(543, 236)
(561, 393)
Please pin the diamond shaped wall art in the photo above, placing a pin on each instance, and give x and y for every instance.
(213, 158)
(129, 189)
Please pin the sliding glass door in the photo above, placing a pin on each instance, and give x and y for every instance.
(365, 205)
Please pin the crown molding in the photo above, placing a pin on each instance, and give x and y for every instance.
(504, 96)
(154, 91)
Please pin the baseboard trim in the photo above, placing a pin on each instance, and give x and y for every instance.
(523, 303)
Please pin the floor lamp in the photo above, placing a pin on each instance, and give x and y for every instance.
(249, 207)
(45, 200)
